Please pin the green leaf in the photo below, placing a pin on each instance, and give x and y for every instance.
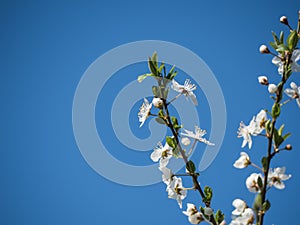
(276, 40)
(277, 138)
(264, 163)
(154, 59)
(257, 202)
(268, 126)
(190, 166)
(282, 48)
(266, 206)
(273, 45)
(155, 91)
(275, 110)
(152, 67)
(260, 182)
(219, 216)
(281, 37)
(171, 142)
(161, 67)
(280, 130)
(292, 40)
(208, 194)
(160, 120)
(144, 76)
(286, 136)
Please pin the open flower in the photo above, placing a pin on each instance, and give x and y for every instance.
(277, 176)
(293, 92)
(186, 89)
(243, 161)
(255, 127)
(252, 184)
(194, 216)
(161, 153)
(176, 190)
(294, 65)
(144, 111)
(239, 206)
(198, 135)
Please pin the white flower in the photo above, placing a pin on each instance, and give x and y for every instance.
(252, 184)
(294, 92)
(198, 135)
(194, 216)
(157, 103)
(186, 89)
(276, 177)
(161, 153)
(176, 190)
(294, 65)
(185, 141)
(243, 161)
(144, 111)
(255, 127)
(263, 80)
(239, 205)
(272, 88)
(166, 174)
(284, 20)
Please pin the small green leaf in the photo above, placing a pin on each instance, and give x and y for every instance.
(161, 67)
(155, 91)
(292, 40)
(208, 194)
(266, 206)
(171, 142)
(268, 126)
(276, 40)
(264, 163)
(190, 166)
(154, 59)
(280, 130)
(144, 76)
(219, 216)
(275, 110)
(282, 48)
(160, 120)
(152, 67)
(281, 37)
(273, 45)
(257, 202)
(277, 138)
(260, 182)
(286, 136)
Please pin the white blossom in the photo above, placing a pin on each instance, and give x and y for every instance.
(144, 111)
(166, 174)
(176, 190)
(277, 176)
(294, 59)
(263, 49)
(186, 89)
(254, 128)
(252, 184)
(194, 216)
(161, 153)
(198, 135)
(185, 141)
(157, 103)
(239, 205)
(243, 161)
(272, 88)
(294, 92)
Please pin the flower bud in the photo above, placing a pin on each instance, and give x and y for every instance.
(208, 211)
(263, 80)
(158, 103)
(264, 49)
(284, 20)
(288, 147)
(272, 88)
(185, 141)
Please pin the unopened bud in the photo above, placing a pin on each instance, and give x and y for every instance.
(284, 20)
(158, 103)
(208, 211)
(288, 147)
(263, 49)
(263, 80)
(185, 141)
(272, 88)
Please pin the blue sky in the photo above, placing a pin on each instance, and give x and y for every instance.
(45, 49)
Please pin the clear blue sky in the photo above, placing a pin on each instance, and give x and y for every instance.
(45, 48)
